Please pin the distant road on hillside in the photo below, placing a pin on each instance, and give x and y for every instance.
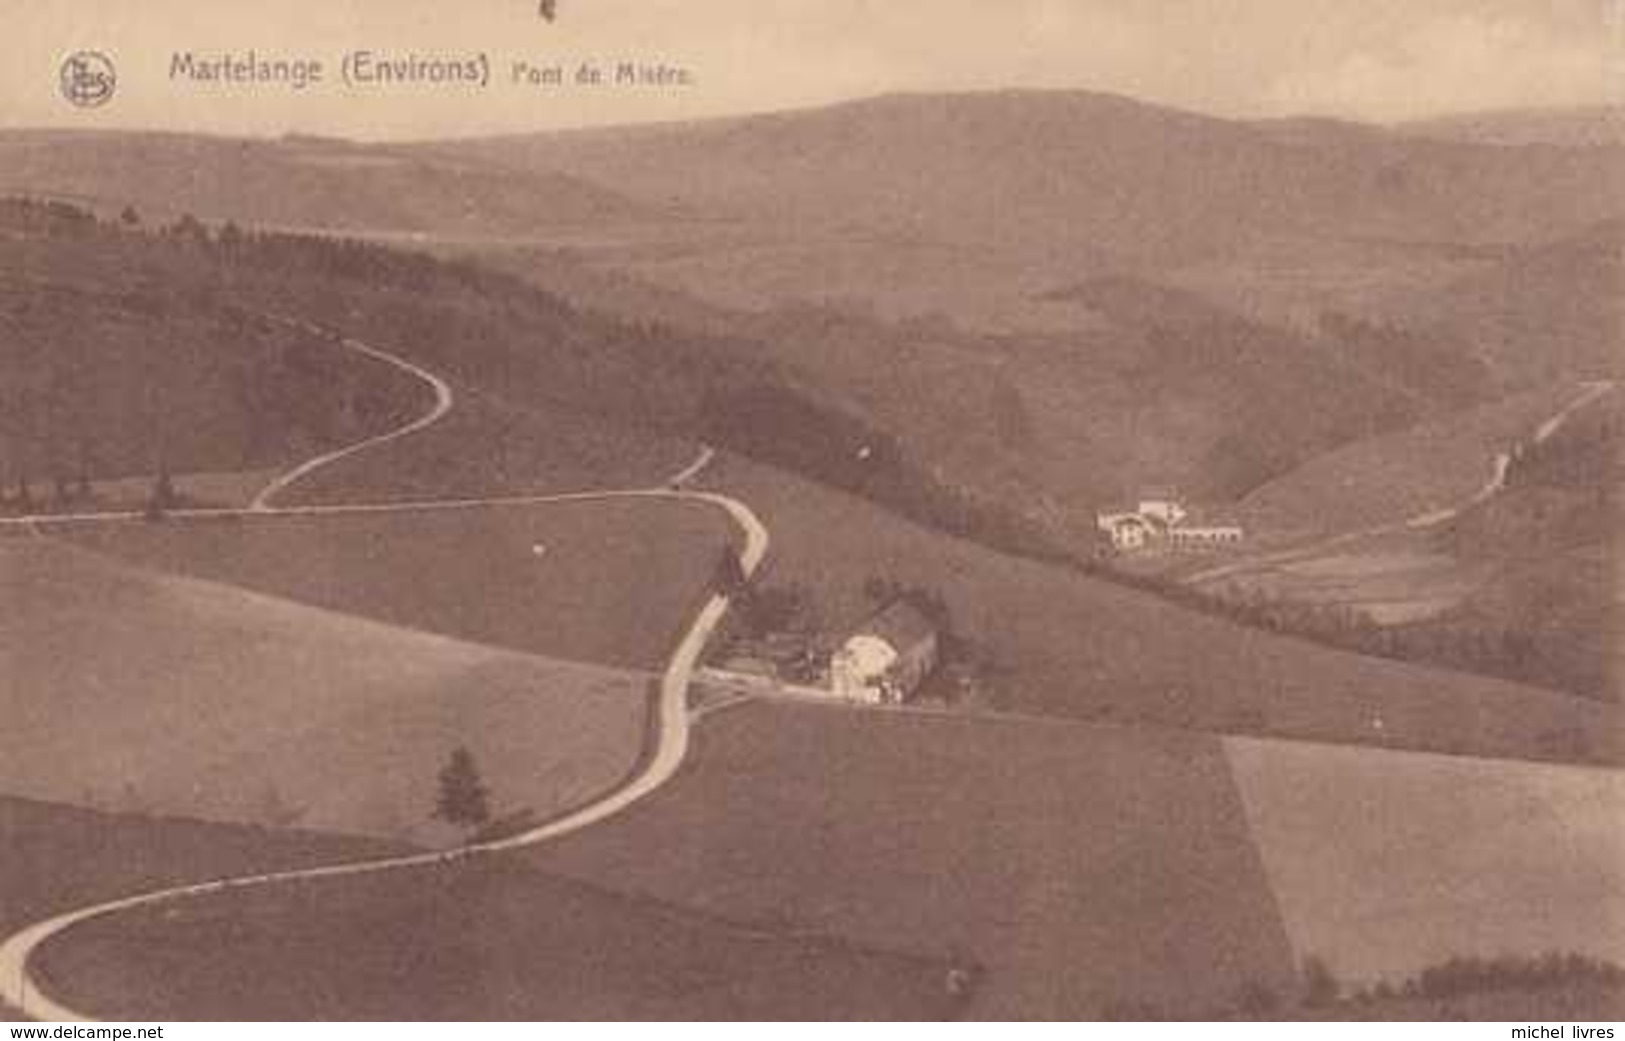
(1426, 520)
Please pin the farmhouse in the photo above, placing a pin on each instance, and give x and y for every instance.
(885, 659)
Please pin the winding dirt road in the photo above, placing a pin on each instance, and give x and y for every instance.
(443, 401)
(672, 717)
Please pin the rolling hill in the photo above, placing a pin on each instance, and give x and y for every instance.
(1160, 874)
(111, 366)
(1083, 868)
(1540, 311)
(1061, 643)
(1434, 857)
(1083, 175)
(1124, 857)
(1388, 479)
(968, 203)
(1586, 125)
(1001, 249)
(136, 345)
(63, 857)
(1056, 220)
(297, 183)
(607, 582)
(208, 702)
(487, 941)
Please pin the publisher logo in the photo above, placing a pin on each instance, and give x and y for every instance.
(88, 79)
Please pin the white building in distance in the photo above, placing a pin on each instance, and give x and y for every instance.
(1163, 522)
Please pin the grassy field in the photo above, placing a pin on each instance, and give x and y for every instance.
(130, 690)
(608, 582)
(487, 941)
(1080, 866)
(1094, 871)
(1068, 645)
(1391, 579)
(60, 857)
(1434, 857)
(488, 446)
(229, 488)
(1572, 602)
(1392, 478)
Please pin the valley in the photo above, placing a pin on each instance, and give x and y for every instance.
(325, 463)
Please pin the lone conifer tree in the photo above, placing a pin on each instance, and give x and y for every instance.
(462, 799)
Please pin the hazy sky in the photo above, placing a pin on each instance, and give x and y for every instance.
(1372, 59)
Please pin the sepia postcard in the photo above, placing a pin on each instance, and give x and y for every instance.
(804, 510)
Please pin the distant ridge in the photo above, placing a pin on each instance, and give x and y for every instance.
(1581, 126)
(1071, 173)
(298, 181)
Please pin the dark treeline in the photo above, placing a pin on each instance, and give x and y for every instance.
(1582, 455)
(1461, 976)
(1321, 996)
(788, 427)
(1464, 643)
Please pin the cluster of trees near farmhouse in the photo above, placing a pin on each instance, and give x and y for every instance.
(965, 671)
